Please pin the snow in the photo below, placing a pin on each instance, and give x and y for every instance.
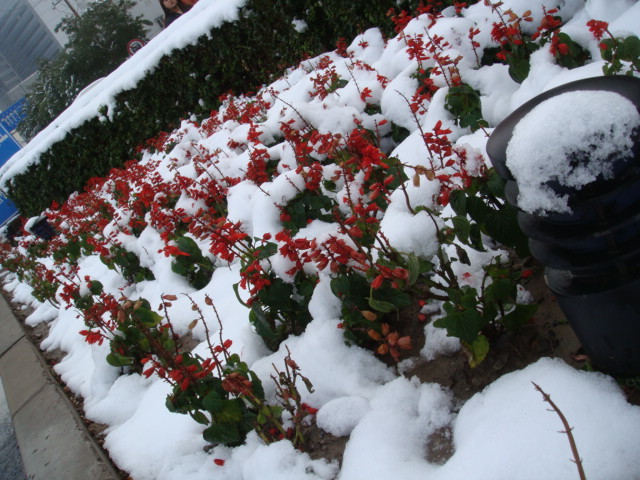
(504, 432)
(205, 15)
(590, 149)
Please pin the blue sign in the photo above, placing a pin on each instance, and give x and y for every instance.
(11, 117)
(7, 210)
(8, 146)
(9, 120)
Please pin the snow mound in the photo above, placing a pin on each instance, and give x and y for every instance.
(571, 139)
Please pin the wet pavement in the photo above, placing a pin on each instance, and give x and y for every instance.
(11, 467)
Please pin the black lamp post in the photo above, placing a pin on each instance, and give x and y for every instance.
(592, 253)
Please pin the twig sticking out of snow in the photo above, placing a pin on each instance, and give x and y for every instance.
(567, 430)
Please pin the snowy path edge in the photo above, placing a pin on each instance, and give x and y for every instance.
(53, 440)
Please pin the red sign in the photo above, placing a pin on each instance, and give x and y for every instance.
(134, 45)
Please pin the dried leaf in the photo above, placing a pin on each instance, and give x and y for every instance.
(369, 315)
(374, 335)
(405, 343)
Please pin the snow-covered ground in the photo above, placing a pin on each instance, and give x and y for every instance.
(504, 432)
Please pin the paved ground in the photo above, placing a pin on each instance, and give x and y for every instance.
(10, 460)
(53, 441)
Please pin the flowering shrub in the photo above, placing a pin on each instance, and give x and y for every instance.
(189, 262)
(319, 204)
(222, 393)
(263, 31)
(618, 53)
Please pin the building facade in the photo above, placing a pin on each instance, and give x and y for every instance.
(27, 35)
(24, 40)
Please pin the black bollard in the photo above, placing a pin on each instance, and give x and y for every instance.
(592, 252)
(43, 229)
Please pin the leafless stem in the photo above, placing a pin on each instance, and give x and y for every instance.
(567, 430)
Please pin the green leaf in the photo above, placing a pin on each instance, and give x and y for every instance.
(463, 257)
(519, 316)
(413, 265)
(475, 237)
(212, 402)
(501, 290)
(199, 417)
(478, 350)
(629, 49)
(231, 412)
(340, 285)
(147, 317)
(503, 227)
(460, 325)
(495, 184)
(462, 227)
(225, 434)
(267, 250)
(179, 267)
(463, 320)
(381, 306)
(235, 287)
(458, 200)
(518, 68)
(96, 287)
(117, 360)
(263, 328)
(189, 245)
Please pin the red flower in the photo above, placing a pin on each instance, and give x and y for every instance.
(597, 28)
(172, 250)
(526, 273)
(218, 461)
(377, 282)
(92, 337)
(309, 409)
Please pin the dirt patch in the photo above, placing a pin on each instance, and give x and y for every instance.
(322, 444)
(547, 335)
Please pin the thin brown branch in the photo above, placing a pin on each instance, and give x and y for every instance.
(567, 430)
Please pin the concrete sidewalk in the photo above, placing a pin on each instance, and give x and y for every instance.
(53, 440)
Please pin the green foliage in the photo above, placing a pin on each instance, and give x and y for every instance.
(97, 45)
(228, 419)
(481, 209)
(468, 312)
(463, 102)
(518, 59)
(306, 206)
(139, 333)
(281, 309)
(572, 55)
(366, 309)
(238, 55)
(620, 53)
(191, 264)
(127, 263)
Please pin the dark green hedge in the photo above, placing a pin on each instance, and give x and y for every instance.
(237, 56)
